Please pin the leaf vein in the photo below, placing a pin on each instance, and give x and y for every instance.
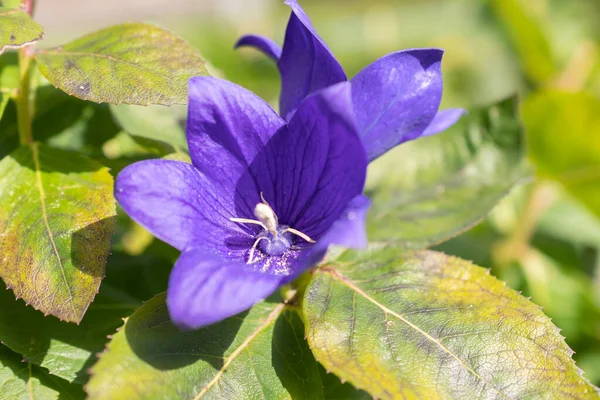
(339, 277)
(38, 177)
(270, 319)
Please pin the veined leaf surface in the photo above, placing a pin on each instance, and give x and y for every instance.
(423, 325)
(56, 218)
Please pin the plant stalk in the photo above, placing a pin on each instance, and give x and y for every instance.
(27, 6)
(516, 247)
(23, 96)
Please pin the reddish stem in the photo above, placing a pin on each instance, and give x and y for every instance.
(27, 6)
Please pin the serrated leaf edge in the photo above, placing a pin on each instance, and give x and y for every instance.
(18, 46)
(335, 274)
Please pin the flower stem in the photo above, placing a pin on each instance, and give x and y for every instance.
(27, 6)
(516, 247)
(23, 96)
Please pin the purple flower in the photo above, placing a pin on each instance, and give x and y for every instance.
(261, 201)
(395, 99)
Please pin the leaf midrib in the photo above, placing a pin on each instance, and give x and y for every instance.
(30, 381)
(42, 196)
(268, 321)
(98, 55)
(335, 274)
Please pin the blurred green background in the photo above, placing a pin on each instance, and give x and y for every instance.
(544, 239)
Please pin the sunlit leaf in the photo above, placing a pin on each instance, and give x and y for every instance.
(4, 97)
(564, 141)
(68, 350)
(131, 63)
(425, 325)
(17, 29)
(10, 3)
(9, 81)
(24, 381)
(431, 189)
(56, 219)
(9, 71)
(256, 354)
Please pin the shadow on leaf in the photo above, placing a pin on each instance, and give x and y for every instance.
(155, 340)
(90, 246)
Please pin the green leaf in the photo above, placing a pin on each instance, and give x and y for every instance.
(76, 125)
(163, 126)
(527, 38)
(66, 350)
(570, 221)
(563, 141)
(24, 381)
(58, 119)
(426, 325)
(4, 97)
(9, 79)
(56, 219)
(444, 184)
(10, 3)
(257, 354)
(131, 63)
(17, 29)
(9, 72)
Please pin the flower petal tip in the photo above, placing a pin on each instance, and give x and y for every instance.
(263, 44)
(443, 120)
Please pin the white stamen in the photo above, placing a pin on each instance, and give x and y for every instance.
(267, 217)
(298, 233)
(251, 256)
(247, 221)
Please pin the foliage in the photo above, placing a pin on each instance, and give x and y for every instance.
(85, 309)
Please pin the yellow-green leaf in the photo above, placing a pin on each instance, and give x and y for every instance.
(423, 325)
(56, 218)
(9, 79)
(527, 38)
(131, 63)
(564, 141)
(17, 29)
(4, 97)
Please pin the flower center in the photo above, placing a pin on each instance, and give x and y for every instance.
(275, 245)
(276, 239)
